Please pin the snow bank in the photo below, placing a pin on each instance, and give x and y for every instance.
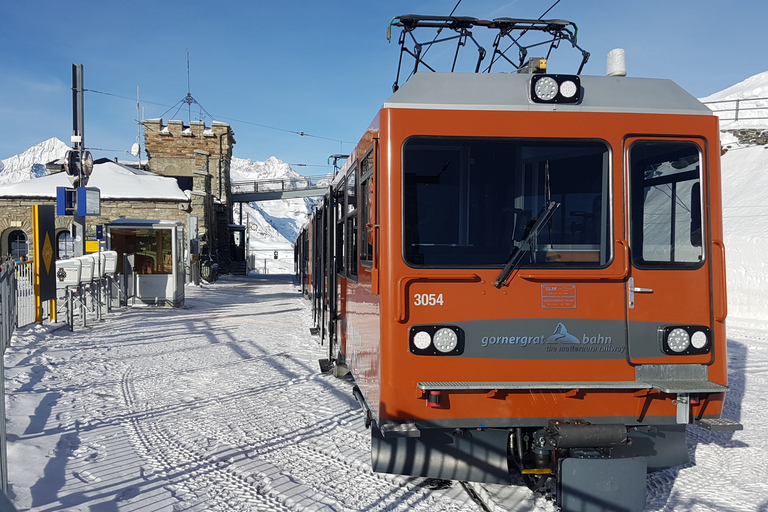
(745, 224)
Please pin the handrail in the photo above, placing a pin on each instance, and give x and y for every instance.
(720, 300)
(738, 108)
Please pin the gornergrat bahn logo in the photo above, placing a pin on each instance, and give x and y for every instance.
(559, 341)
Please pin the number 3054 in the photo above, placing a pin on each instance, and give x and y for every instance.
(428, 299)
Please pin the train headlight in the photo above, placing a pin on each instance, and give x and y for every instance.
(699, 339)
(555, 89)
(546, 88)
(436, 340)
(678, 340)
(685, 339)
(422, 340)
(445, 340)
(568, 89)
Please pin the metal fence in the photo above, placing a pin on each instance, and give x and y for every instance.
(743, 109)
(7, 326)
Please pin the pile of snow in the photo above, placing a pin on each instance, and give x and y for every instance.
(31, 163)
(745, 226)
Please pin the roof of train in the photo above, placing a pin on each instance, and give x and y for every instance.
(484, 91)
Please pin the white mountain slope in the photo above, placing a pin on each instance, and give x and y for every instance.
(31, 163)
(751, 96)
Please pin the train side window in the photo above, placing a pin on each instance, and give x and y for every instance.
(351, 221)
(666, 204)
(366, 206)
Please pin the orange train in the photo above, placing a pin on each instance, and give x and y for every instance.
(525, 274)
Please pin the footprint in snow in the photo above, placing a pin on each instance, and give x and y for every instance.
(128, 494)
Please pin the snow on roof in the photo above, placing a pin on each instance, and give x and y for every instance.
(115, 181)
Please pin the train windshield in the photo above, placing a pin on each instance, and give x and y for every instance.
(469, 202)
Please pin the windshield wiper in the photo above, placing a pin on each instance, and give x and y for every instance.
(519, 251)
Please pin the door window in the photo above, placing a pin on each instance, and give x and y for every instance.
(666, 204)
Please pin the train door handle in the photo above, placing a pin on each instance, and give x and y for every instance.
(633, 290)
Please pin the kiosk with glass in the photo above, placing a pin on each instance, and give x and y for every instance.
(150, 256)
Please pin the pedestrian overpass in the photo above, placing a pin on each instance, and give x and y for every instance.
(282, 188)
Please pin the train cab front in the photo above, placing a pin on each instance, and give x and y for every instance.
(553, 301)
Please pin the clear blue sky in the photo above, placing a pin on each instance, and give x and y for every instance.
(270, 68)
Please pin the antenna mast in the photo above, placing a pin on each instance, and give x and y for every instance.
(138, 123)
(189, 100)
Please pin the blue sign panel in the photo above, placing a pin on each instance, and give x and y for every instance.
(88, 201)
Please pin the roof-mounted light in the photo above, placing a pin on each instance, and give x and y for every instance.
(555, 89)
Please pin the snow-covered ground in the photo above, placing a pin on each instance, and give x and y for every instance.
(215, 406)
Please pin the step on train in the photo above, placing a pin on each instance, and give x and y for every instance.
(525, 274)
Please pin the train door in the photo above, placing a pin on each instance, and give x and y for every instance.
(335, 265)
(669, 280)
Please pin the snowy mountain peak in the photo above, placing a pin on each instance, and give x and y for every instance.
(248, 170)
(31, 163)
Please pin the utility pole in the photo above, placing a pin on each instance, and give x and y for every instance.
(79, 161)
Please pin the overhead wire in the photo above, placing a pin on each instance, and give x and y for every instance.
(295, 132)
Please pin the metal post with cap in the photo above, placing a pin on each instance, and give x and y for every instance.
(79, 162)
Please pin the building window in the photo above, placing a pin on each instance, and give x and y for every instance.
(65, 245)
(17, 241)
(150, 250)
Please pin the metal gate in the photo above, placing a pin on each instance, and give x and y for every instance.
(25, 294)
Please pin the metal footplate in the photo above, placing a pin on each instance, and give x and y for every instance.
(520, 385)
(718, 424)
(663, 385)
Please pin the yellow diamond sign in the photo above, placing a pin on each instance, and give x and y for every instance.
(47, 253)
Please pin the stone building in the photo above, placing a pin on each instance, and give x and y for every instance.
(199, 158)
(125, 193)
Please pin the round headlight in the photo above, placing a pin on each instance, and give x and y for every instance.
(445, 340)
(678, 340)
(546, 88)
(699, 340)
(568, 89)
(422, 340)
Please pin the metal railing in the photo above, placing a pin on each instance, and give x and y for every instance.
(280, 184)
(7, 326)
(742, 109)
